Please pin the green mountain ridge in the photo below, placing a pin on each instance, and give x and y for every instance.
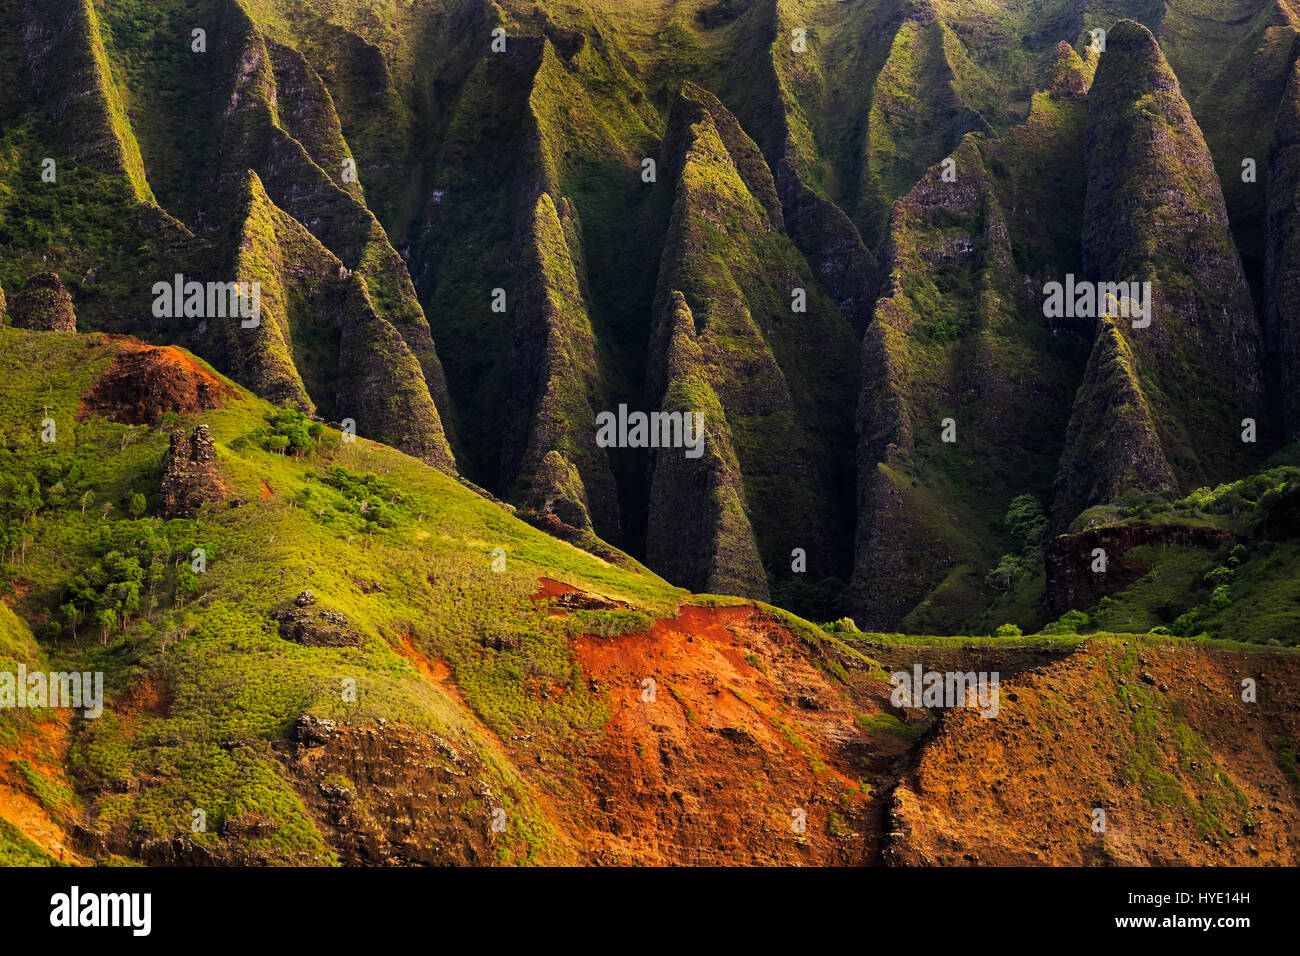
(365, 587)
(798, 144)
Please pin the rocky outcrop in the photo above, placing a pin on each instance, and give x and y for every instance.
(44, 305)
(144, 383)
(391, 795)
(316, 627)
(191, 478)
(1072, 584)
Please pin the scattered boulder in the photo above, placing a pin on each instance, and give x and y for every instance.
(317, 628)
(312, 731)
(44, 305)
(306, 598)
(190, 475)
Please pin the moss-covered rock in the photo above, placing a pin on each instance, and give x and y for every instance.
(1155, 213)
(1071, 75)
(699, 529)
(555, 386)
(44, 305)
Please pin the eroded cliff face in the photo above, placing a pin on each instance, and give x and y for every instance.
(757, 743)
(1071, 559)
(1155, 213)
(1025, 788)
(549, 453)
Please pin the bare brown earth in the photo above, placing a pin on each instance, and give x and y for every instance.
(755, 726)
(145, 382)
(1156, 735)
(744, 738)
(45, 749)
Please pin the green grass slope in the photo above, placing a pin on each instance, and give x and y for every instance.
(404, 552)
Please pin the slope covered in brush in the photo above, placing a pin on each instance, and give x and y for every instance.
(371, 663)
(964, 385)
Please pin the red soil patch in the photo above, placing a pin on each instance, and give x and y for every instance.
(146, 382)
(551, 588)
(21, 589)
(1187, 773)
(266, 489)
(433, 670)
(50, 739)
(152, 696)
(742, 732)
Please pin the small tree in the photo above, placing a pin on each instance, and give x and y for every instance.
(106, 618)
(25, 499)
(135, 504)
(87, 500)
(187, 583)
(70, 615)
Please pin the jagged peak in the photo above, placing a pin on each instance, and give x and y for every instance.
(554, 380)
(1133, 64)
(694, 100)
(64, 48)
(307, 112)
(1070, 76)
(1112, 444)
